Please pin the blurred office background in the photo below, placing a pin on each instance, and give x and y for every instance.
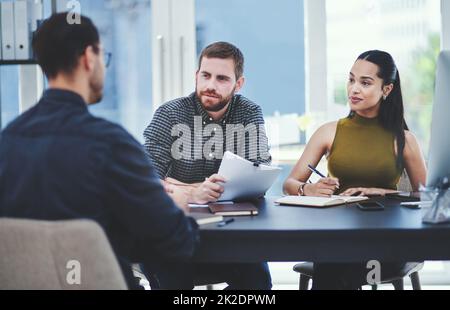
(298, 55)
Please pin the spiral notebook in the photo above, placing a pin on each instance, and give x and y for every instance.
(323, 202)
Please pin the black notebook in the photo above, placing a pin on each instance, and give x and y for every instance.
(236, 209)
(405, 196)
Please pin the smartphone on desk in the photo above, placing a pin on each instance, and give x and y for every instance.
(370, 206)
(405, 196)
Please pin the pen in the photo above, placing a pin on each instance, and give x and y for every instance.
(316, 171)
(225, 223)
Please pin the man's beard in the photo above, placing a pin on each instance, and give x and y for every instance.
(96, 88)
(223, 102)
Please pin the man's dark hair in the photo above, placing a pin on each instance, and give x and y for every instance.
(58, 45)
(224, 50)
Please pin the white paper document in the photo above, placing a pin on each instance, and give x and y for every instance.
(244, 179)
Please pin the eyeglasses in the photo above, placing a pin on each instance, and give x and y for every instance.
(107, 58)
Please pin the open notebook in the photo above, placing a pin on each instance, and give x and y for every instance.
(308, 201)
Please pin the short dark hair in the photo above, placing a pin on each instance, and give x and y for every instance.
(58, 45)
(224, 50)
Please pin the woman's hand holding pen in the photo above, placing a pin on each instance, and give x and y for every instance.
(325, 187)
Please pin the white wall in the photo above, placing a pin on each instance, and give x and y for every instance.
(174, 49)
(316, 97)
(316, 55)
(445, 10)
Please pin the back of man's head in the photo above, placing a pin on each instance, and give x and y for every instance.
(58, 45)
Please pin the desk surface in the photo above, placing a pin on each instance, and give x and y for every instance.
(338, 234)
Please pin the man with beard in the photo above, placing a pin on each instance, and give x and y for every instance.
(59, 162)
(207, 120)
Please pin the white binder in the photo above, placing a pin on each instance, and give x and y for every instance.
(7, 28)
(22, 45)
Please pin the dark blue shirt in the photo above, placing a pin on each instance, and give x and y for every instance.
(59, 162)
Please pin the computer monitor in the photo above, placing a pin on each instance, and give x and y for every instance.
(439, 156)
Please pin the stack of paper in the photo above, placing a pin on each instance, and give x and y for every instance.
(204, 219)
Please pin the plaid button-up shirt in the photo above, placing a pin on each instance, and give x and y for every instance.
(186, 144)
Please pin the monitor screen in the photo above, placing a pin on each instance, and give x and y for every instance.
(439, 157)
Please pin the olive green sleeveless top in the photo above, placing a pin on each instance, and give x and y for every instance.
(363, 155)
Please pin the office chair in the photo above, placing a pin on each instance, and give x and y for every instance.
(410, 270)
(41, 255)
(201, 281)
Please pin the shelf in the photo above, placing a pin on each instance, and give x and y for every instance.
(17, 62)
